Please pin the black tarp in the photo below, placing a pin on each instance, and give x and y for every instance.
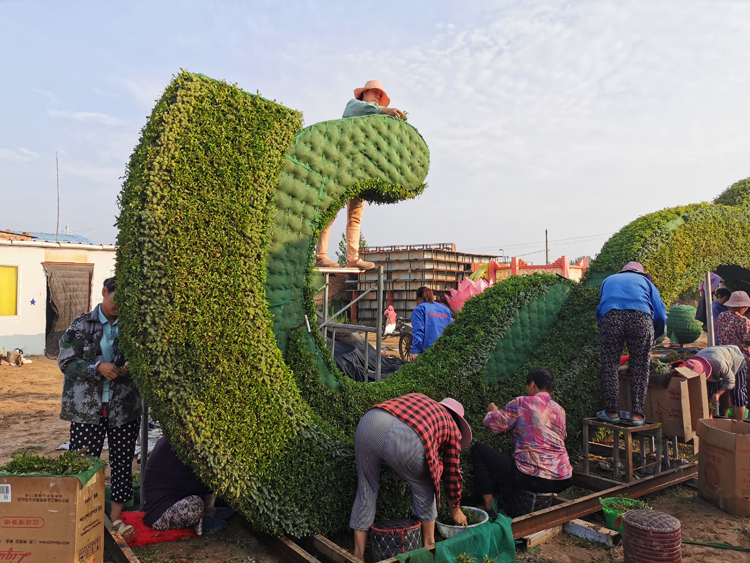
(349, 356)
(68, 296)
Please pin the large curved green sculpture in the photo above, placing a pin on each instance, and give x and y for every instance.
(224, 198)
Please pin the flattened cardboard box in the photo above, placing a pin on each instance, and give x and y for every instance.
(724, 464)
(52, 519)
(679, 407)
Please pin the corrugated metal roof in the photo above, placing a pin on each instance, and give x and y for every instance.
(50, 237)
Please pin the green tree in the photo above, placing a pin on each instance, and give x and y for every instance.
(341, 252)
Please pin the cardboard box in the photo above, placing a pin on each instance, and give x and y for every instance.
(47, 519)
(724, 464)
(679, 407)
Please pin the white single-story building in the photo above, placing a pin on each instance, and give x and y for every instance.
(44, 285)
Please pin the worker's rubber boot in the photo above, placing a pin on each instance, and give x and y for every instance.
(321, 258)
(354, 211)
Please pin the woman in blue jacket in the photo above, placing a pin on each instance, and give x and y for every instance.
(428, 320)
(630, 310)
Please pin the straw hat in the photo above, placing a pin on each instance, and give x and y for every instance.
(373, 85)
(458, 409)
(738, 299)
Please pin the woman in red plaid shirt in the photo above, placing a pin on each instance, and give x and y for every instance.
(411, 434)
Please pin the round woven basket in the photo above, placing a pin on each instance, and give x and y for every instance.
(651, 536)
(392, 537)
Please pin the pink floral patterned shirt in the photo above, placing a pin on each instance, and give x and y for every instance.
(733, 328)
(536, 426)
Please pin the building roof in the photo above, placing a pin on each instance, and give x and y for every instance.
(50, 237)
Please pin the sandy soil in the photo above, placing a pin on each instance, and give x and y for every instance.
(30, 409)
(29, 418)
(701, 521)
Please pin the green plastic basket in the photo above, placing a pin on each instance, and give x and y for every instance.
(612, 516)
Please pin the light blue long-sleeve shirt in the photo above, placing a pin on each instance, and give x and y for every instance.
(358, 108)
(631, 291)
(109, 333)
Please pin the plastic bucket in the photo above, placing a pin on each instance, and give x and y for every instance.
(449, 530)
(613, 516)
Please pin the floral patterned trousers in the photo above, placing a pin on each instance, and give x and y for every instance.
(615, 329)
(182, 514)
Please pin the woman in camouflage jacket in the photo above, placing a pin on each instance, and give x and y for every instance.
(99, 397)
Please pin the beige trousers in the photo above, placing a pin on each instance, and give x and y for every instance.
(355, 208)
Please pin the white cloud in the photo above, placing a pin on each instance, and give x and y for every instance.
(87, 117)
(49, 96)
(19, 155)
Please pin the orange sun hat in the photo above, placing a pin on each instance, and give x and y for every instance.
(373, 85)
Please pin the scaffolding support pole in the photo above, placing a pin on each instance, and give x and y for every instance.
(379, 325)
(144, 443)
(325, 306)
(708, 300)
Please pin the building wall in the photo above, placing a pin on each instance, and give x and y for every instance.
(26, 329)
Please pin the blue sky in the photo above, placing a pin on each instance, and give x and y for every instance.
(576, 117)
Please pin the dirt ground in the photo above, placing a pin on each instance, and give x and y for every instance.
(29, 418)
(700, 520)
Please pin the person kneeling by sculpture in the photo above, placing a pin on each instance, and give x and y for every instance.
(410, 433)
(174, 496)
(536, 426)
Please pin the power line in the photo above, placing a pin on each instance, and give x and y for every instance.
(537, 242)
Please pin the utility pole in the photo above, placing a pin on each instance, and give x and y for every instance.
(57, 169)
(546, 246)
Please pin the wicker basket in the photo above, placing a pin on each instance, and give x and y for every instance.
(392, 537)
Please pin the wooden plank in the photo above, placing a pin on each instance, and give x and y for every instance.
(330, 550)
(116, 546)
(284, 546)
(593, 482)
(538, 538)
(556, 515)
(292, 551)
(591, 532)
(628, 454)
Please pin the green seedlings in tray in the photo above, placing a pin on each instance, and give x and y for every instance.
(621, 504)
(465, 558)
(69, 463)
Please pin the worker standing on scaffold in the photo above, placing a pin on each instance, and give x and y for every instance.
(371, 99)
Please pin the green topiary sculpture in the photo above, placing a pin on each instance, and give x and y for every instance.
(223, 201)
(682, 327)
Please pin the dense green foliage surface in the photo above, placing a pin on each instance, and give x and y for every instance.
(196, 208)
(628, 242)
(736, 195)
(678, 246)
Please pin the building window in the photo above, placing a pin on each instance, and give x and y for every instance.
(8, 290)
